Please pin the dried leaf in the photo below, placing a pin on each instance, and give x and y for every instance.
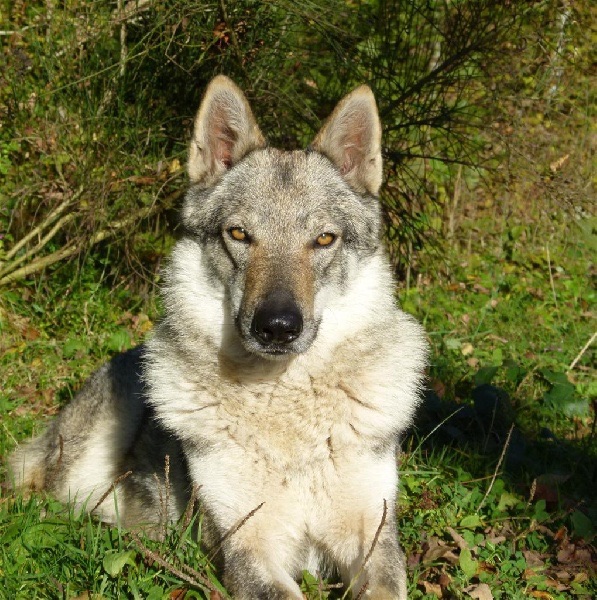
(534, 559)
(480, 591)
(556, 165)
(542, 595)
(460, 541)
(432, 588)
(467, 349)
(570, 554)
(141, 179)
(437, 549)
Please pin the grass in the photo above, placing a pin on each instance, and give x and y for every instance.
(506, 440)
(498, 473)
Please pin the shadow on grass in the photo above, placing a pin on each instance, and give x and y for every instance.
(491, 435)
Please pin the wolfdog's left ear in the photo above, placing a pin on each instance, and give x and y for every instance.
(351, 139)
(224, 131)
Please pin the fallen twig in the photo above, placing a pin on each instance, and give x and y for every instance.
(50, 218)
(189, 511)
(497, 467)
(580, 354)
(368, 555)
(111, 489)
(198, 581)
(232, 531)
(78, 246)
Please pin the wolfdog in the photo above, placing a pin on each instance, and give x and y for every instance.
(280, 378)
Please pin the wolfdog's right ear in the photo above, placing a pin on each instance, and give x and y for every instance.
(225, 130)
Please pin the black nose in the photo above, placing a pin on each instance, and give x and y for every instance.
(277, 320)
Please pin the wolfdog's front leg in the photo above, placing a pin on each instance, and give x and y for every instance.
(249, 575)
(371, 561)
(258, 556)
(383, 576)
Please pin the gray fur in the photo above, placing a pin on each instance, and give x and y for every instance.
(281, 375)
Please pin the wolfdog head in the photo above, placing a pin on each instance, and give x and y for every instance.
(282, 233)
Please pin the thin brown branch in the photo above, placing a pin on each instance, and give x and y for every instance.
(232, 531)
(497, 467)
(111, 489)
(200, 581)
(189, 510)
(39, 246)
(378, 532)
(374, 543)
(165, 499)
(233, 37)
(41, 263)
(78, 246)
(50, 218)
(580, 354)
(123, 35)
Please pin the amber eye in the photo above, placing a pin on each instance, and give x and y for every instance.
(325, 239)
(239, 234)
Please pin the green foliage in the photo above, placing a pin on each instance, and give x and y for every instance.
(497, 485)
(102, 102)
(75, 555)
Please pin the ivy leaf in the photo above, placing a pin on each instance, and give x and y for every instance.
(485, 375)
(562, 396)
(115, 561)
(119, 341)
(467, 563)
(582, 525)
(471, 522)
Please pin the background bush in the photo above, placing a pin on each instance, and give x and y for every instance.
(97, 100)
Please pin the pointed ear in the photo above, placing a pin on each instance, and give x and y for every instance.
(351, 139)
(225, 130)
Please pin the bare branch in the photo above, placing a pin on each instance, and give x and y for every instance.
(78, 246)
(45, 223)
(198, 581)
(233, 530)
(111, 489)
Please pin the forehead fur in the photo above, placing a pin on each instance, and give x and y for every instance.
(275, 176)
(283, 189)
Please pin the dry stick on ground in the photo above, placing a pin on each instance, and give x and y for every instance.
(131, 12)
(551, 281)
(77, 246)
(580, 354)
(497, 467)
(193, 573)
(368, 555)
(43, 242)
(198, 581)
(164, 497)
(232, 531)
(189, 511)
(111, 489)
(233, 38)
(123, 34)
(50, 218)
(39, 264)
